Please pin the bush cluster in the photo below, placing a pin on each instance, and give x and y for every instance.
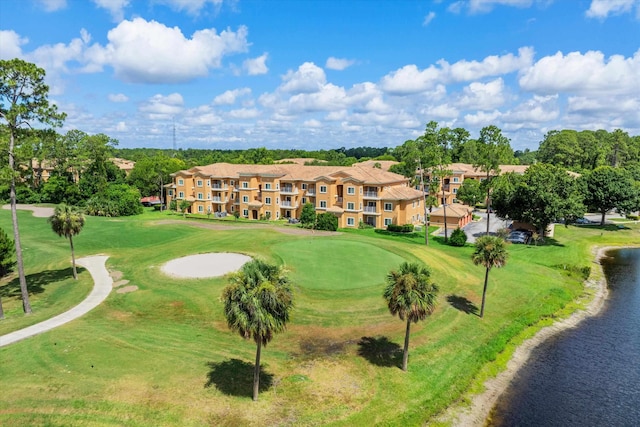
(458, 237)
(407, 228)
(326, 221)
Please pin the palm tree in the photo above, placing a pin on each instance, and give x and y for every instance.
(67, 221)
(491, 251)
(411, 295)
(256, 304)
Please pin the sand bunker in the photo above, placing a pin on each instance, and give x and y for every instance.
(205, 265)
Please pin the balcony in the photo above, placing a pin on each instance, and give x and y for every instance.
(218, 199)
(311, 192)
(219, 187)
(371, 210)
(288, 189)
(371, 195)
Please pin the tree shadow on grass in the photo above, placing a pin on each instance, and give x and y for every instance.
(380, 351)
(462, 304)
(235, 377)
(36, 282)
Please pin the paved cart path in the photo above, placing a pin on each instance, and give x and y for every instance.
(96, 265)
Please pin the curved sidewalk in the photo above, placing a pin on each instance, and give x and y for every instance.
(96, 265)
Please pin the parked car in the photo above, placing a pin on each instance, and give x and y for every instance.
(518, 237)
(582, 221)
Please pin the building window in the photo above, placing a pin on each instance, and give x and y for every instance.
(208, 183)
(323, 188)
(181, 195)
(455, 200)
(232, 208)
(304, 186)
(323, 203)
(455, 191)
(277, 214)
(388, 221)
(351, 206)
(245, 184)
(233, 196)
(181, 182)
(277, 186)
(199, 183)
(277, 200)
(351, 221)
(200, 208)
(267, 186)
(455, 179)
(388, 207)
(245, 199)
(232, 183)
(351, 190)
(267, 200)
(245, 213)
(304, 200)
(171, 192)
(200, 196)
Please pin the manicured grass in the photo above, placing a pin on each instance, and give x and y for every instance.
(163, 355)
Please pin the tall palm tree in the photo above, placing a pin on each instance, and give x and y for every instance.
(67, 222)
(256, 305)
(491, 251)
(411, 295)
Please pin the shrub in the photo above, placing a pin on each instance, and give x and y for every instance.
(407, 228)
(458, 237)
(173, 205)
(236, 214)
(363, 225)
(632, 217)
(327, 221)
(308, 215)
(115, 200)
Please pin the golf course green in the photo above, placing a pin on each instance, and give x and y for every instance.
(163, 355)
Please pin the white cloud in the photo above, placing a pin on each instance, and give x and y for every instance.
(326, 98)
(52, 5)
(244, 113)
(257, 65)
(10, 43)
(338, 63)
(588, 73)
(114, 7)
(532, 112)
(192, 7)
(482, 118)
(160, 107)
(604, 8)
(229, 97)
(118, 97)
(307, 78)
(409, 79)
(480, 6)
(149, 52)
(482, 96)
(427, 19)
(443, 111)
(202, 116)
(313, 123)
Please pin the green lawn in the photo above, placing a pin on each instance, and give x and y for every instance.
(163, 355)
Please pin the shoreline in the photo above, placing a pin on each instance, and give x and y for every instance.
(478, 412)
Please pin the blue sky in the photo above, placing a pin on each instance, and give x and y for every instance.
(318, 74)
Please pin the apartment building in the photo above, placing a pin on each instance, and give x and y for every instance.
(461, 171)
(355, 194)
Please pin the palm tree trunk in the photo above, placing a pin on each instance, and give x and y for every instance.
(73, 259)
(484, 291)
(444, 212)
(256, 373)
(405, 355)
(26, 306)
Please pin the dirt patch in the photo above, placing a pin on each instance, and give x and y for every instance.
(127, 289)
(120, 283)
(116, 275)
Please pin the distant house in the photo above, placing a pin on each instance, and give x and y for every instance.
(457, 215)
(150, 201)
